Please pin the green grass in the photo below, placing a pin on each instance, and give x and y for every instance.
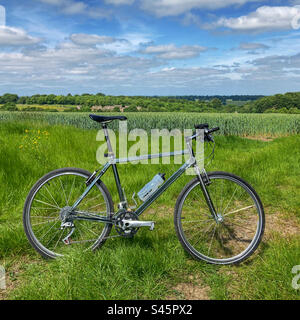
(153, 263)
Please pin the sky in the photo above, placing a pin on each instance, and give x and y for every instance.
(150, 47)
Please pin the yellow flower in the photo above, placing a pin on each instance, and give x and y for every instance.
(26, 131)
(21, 146)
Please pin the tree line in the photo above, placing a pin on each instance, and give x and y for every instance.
(279, 103)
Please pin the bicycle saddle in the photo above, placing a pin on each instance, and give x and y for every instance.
(105, 119)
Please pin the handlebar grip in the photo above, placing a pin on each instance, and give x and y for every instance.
(213, 130)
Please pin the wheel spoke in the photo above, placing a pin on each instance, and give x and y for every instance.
(51, 220)
(47, 204)
(212, 239)
(239, 210)
(71, 191)
(63, 191)
(51, 196)
(209, 220)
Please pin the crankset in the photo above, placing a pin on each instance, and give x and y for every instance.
(127, 224)
(122, 227)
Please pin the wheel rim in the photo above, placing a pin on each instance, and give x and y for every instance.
(44, 215)
(239, 221)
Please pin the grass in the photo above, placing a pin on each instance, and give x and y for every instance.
(153, 264)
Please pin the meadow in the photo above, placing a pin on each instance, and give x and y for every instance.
(263, 149)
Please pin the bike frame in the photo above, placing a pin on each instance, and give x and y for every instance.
(175, 176)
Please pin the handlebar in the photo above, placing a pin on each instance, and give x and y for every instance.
(207, 131)
(213, 130)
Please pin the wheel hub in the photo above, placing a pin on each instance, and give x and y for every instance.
(65, 213)
(220, 218)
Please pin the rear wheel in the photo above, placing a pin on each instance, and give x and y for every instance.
(240, 226)
(47, 203)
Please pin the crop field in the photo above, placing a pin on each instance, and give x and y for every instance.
(262, 149)
(230, 124)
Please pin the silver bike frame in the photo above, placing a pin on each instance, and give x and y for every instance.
(113, 161)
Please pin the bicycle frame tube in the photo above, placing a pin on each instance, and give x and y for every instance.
(113, 162)
(105, 168)
(162, 189)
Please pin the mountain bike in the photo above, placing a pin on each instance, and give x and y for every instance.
(218, 217)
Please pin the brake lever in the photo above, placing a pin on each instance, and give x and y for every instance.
(208, 138)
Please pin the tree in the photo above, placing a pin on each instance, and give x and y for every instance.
(8, 97)
(216, 103)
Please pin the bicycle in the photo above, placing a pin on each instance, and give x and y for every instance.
(218, 217)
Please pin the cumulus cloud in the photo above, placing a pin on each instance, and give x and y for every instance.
(170, 51)
(120, 2)
(10, 36)
(265, 18)
(92, 68)
(279, 62)
(73, 7)
(252, 46)
(84, 39)
(176, 7)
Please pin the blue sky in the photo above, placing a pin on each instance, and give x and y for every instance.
(150, 47)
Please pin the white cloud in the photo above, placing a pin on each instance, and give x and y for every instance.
(265, 18)
(176, 7)
(190, 18)
(53, 2)
(171, 52)
(90, 39)
(73, 7)
(2, 16)
(16, 37)
(69, 67)
(120, 2)
(252, 46)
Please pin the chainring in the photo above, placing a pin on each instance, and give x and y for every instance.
(126, 232)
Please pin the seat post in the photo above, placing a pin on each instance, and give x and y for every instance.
(109, 147)
(111, 155)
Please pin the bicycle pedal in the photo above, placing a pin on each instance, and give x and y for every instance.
(138, 224)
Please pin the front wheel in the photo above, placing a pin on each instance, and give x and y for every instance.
(240, 220)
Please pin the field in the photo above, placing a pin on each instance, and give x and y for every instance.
(230, 124)
(153, 265)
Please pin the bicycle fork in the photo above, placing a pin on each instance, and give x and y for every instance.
(204, 181)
